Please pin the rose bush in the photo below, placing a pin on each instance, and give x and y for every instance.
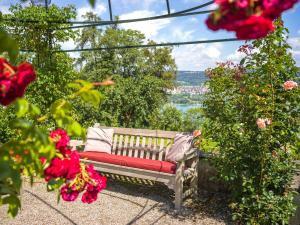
(249, 19)
(32, 152)
(253, 124)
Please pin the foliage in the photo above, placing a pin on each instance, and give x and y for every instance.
(54, 71)
(141, 75)
(133, 62)
(28, 149)
(24, 151)
(167, 118)
(253, 122)
(127, 104)
(192, 119)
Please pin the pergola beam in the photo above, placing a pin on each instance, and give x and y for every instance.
(168, 7)
(143, 46)
(105, 23)
(110, 10)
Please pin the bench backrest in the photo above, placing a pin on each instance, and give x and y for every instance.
(142, 143)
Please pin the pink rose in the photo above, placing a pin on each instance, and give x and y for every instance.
(290, 85)
(263, 122)
(268, 121)
(196, 133)
(260, 123)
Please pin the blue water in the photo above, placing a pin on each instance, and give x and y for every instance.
(185, 107)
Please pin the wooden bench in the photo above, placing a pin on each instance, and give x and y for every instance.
(151, 144)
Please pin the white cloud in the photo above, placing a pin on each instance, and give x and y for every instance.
(4, 9)
(144, 4)
(99, 9)
(212, 7)
(149, 28)
(70, 45)
(197, 57)
(193, 20)
(235, 57)
(179, 34)
(295, 44)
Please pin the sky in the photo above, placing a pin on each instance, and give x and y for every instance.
(191, 28)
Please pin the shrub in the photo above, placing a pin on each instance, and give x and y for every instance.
(253, 116)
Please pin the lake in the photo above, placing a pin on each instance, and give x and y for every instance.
(185, 107)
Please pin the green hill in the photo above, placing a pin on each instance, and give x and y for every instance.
(190, 78)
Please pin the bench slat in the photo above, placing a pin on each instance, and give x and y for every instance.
(155, 149)
(161, 148)
(131, 146)
(142, 152)
(120, 145)
(114, 148)
(125, 147)
(137, 144)
(149, 147)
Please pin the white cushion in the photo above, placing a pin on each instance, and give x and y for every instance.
(182, 144)
(99, 140)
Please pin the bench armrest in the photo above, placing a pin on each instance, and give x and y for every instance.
(74, 143)
(192, 153)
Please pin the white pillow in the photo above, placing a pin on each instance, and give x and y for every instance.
(99, 140)
(182, 144)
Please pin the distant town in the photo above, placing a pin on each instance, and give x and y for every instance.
(193, 90)
(189, 88)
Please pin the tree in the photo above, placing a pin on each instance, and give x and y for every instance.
(141, 75)
(167, 118)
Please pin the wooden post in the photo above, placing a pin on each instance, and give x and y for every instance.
(179, 186)
(194, 181)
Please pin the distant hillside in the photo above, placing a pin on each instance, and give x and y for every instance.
(190, 78)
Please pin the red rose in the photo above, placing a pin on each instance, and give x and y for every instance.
(242, 3)
(57, 168)
(254, 27)
(68, 194)
(89, 196)
(5, 85)
(61, 140)
(14, 80)
(65, 168)
(72, 165)
(24, 77)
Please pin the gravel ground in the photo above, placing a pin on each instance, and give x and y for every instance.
(121, 203)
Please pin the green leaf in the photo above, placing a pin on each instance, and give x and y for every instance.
(21, 123)
(75, 128)
(22, 107)
(92, 2)
(7, 44)
(14, 205)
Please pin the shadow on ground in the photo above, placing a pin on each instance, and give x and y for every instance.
(207, 204)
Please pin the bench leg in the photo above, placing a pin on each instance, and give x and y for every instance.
(179, 186)
(194, 181)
